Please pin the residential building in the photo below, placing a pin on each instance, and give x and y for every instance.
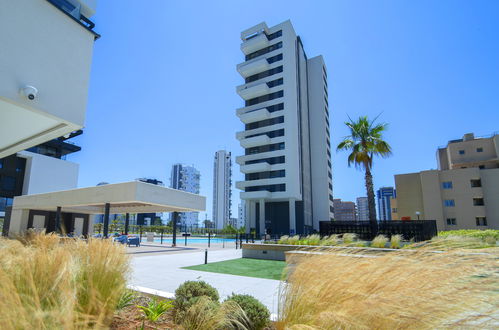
(147, 219)
(394, 212)
(241, 219)
(287, 156)
(344, 211)
(45, 65)
(40, 169)
(463, 193)
(222, 193)
(186, 178)
(384, 195)
(362, 209)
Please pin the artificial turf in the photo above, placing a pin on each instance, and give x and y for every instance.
(269, 269)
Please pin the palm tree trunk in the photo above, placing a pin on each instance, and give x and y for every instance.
(370, 200)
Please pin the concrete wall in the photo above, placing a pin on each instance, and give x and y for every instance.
(48, 174)
(490, 187)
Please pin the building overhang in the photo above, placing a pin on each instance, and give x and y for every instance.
(128, 197)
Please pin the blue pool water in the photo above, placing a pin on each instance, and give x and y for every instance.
(191, 240)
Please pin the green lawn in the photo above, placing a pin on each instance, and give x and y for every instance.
(269, 269)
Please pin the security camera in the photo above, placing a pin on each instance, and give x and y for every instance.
(30, 92)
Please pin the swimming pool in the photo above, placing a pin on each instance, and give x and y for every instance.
(192, 240)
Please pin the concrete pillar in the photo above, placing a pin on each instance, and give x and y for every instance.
(18, 222)
(292, 217)
(247, 215)
(58, 216)
(127, 222)
(262, 216)
(174, 225)
(106, 219)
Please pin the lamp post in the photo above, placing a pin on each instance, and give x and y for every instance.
(418, 214)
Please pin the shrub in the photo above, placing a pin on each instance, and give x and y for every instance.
(156, 308)
(397, 290)
(283, 240)
(313, 239)
(481, 234)
(190, 291)
(56, 284)
(294, 240)
(395, 241)
(206, 314)
(330, 240)
(379, 241)
(349, 238)
(126, 299)
(257, 313)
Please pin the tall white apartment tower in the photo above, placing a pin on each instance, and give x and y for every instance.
(186, 178)
(287, 157)
(222, 173)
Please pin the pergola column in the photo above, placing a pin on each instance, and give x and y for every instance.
(127, 221)
(174, 238)
(58, 220)
(106, 219)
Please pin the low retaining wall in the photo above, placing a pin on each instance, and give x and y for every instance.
(278, 251)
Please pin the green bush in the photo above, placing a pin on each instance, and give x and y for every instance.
(395, 241)
(482, 234)
(349, 238)
(189, 292)
(379, 241)
(256, 312)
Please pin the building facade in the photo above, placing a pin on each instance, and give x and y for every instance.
(222, 193)
(45, 62)
(241, 218)
(186, 178)
(344, 211)
(384, 196)
(40, 169)
(287, 158)
(362, 209)
(462, 194)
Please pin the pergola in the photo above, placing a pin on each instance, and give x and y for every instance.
(127, 197)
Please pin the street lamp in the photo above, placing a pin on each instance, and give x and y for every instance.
(418, 213)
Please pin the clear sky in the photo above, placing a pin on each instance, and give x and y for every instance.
(163, 81)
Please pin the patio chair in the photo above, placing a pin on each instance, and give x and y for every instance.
(134, 240)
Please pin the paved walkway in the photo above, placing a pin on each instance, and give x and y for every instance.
(163, 272)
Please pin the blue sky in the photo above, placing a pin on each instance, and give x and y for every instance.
(163, 80)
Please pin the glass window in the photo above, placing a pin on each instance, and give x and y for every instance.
(7, 183)
(479, 149)
(449, 203)
(475, 183)
(481, 167)
(451, 221)
(461, 152)
(478, 201)
(481, 221)
(447, 185)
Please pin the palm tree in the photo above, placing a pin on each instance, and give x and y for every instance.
(364, 142)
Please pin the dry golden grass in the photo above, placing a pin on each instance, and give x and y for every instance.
(47, 283)
(396, 290)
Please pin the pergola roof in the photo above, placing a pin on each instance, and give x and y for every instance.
(127, 197)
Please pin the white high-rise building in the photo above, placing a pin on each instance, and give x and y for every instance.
(241, 218)
(222, 173)
(186, 178)
(287, 160)
(362, 209)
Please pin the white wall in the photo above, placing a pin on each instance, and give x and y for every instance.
(48, 174)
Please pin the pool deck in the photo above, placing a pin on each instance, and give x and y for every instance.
(163, 271)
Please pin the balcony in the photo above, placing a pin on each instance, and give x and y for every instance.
(252, 45)
(255, 141)
(256, 115)
(255, 195)
(252, 90)
(252, 67)
(254, 168)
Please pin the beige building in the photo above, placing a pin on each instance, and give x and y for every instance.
(462, 194)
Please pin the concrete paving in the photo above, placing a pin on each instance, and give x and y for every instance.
(163, 272)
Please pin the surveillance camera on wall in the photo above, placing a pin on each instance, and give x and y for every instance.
(30, 92)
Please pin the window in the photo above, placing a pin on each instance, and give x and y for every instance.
(271, 134)
(475, 183)
(264, 51)
(394, 210)
(478, 201)
(276, 82)
(479, 149)
(263, 74)
(7, 183)
(271, 188)
(481, 221)
(266, 122)
(265, 175)
(1, 163)
(273, 59)
(449, 203)
(447, 185)
(265, 148)
(271, 160)
(481, 167)
(451, 221)
(264, 98)
(461, 152)
(274, 35)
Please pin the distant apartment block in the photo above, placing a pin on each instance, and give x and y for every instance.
(344, 211)
(362, 209)
(241, 218)
(463, 193)
(186, 178)
(287, 155)
(222, 193)
(45, 59)
(384, 196)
